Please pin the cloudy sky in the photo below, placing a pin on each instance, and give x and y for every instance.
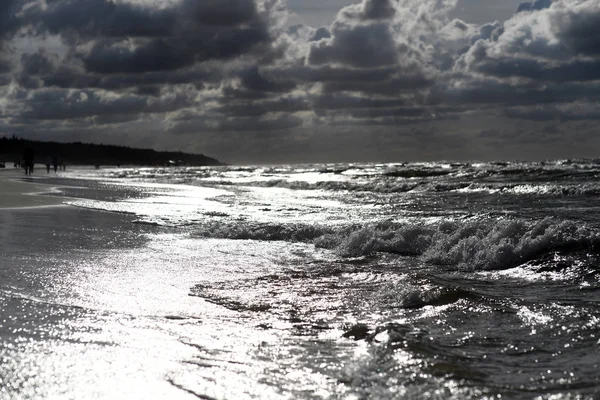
(263, 81)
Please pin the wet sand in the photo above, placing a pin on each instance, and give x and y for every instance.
(81, 318)
(21, 191)
(95, 306)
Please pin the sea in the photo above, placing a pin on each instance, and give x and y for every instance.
(431, 280)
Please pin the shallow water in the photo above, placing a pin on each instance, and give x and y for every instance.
(358, 281)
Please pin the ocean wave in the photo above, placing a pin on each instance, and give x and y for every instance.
(533, 189)
(377, 186)
(264, 231)
(417, 173)
(558, 178)
(472, 245)
(391, 186)
(475, 245)
(384, 186)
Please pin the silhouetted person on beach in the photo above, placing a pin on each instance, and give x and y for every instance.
(55, 163)
(28, 160)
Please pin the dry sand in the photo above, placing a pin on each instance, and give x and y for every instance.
(17, 193)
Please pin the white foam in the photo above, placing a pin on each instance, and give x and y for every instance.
(477, 245)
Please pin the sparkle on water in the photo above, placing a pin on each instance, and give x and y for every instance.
(378, 281)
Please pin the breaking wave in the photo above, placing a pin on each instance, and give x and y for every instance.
(478, 245)
(558, 178)
(394, 186)
(389, 185)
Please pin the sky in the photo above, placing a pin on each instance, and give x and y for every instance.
(274, 81)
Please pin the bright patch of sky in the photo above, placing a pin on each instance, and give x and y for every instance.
(318, 13)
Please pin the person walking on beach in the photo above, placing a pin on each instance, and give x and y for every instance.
(28, 160)
(55, 163)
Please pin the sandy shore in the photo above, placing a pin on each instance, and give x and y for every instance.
(18, 193)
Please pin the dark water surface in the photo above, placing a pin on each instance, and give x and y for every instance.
(359, 281)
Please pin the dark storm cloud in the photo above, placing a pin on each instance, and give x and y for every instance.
(578, 70)
(534, 5)
(490, 31)
(100, 18)
(163, 54)
(133, 38)
(329, 74)
(259, 108)
(395, 86)
(254, 81)
(378, 9)
(74, 76)
(393, 81)
(216, 67)
(222, 12)
(8, 18)
(114, 119)
(579, 31)
(34, 66)
(5, 65)
(8, 23)
(341, 101)
(58, 104)
(566, 112)
(321, 33)
(154, 55)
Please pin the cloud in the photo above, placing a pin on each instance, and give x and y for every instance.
(90, 19)
(212, 68)
(123, 37)
(8, 23)
(553, 40)
(321, 33)
(356, 46)
(8, 20)
(378, 9)
(575, 111)
(381, 48)
(547, 53)
(578, 28)
(260, 108)
(534, 5)
(218, 123)
(61, 104)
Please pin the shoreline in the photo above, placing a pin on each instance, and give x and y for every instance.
(19, 194)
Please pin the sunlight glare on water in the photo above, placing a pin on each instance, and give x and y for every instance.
(386, 281)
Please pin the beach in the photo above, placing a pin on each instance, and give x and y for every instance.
(65, 333)
(370, 281)
(19, 191)
(94, 306)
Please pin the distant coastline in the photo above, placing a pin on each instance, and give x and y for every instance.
(78, 153)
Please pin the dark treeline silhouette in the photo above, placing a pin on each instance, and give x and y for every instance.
(77, 153)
